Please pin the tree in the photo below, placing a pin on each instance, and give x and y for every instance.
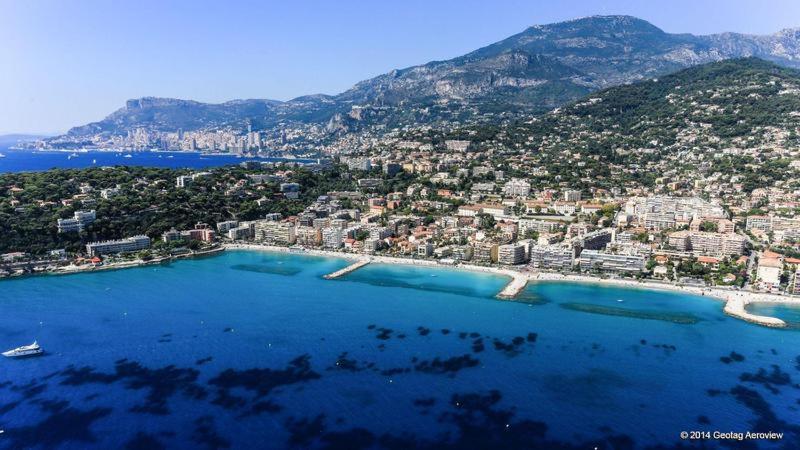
(708, 225)
(486, 221)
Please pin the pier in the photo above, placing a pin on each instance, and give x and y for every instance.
(515, 286)
(341, 272)
(735, 306)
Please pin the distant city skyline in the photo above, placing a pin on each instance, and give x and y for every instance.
(66, 64)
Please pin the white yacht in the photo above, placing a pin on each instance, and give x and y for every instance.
(2, 155)
(25, 350)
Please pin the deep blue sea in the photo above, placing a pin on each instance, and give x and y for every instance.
(257, 350)
(27, 160)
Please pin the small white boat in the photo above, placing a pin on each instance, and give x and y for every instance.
(2, 155)
(128, 156)
(25, 350)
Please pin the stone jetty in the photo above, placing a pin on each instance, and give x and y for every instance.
(515, 286)
(341, 272)
(736, 307)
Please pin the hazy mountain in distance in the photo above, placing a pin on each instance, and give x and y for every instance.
(530, 72)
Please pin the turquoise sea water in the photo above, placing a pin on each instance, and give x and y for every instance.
(256, 350)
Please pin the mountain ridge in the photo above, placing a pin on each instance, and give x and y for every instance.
(530, 72)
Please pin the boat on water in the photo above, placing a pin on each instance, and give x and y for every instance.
(2, 155)
(26, 350)
(128, 156)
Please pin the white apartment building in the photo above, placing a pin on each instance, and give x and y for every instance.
(609, 262)
(130, 244)
(551, 257)
(511, 254)
(274, 232)
(572, 196)
(78, 222)
(707, 243)
(517, 187)
(332, 237)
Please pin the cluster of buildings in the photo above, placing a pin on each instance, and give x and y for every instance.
(639, 236)
(201, 232)
(457, 234)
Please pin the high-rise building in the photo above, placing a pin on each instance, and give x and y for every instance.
(511, 254)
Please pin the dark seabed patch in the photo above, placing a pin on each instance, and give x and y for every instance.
(161, 383)
(368, 278)
(144, 441)
(425, 402)
(478, 422)
(57, 429)
(9, 406)
(384, 334)
(449, 366)
(205, 434)
(343, 362)
(766, 420)
(594, 388)
(512, 348)
(769, 379)
(733, 357)
(478, 346)
(31, 389)
(679, 318)
(260, 381)
(268, 269)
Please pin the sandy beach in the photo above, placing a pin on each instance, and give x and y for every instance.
(378, 259)
(735, 302)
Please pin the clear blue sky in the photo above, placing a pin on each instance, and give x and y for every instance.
(65, 63)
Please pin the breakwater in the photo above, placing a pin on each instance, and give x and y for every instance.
(352, 267)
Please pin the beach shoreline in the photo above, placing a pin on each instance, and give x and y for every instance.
(375, 258)
(734, 302)
(120, 265)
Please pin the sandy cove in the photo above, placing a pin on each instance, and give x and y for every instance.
(735, 301)
(518, 279)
